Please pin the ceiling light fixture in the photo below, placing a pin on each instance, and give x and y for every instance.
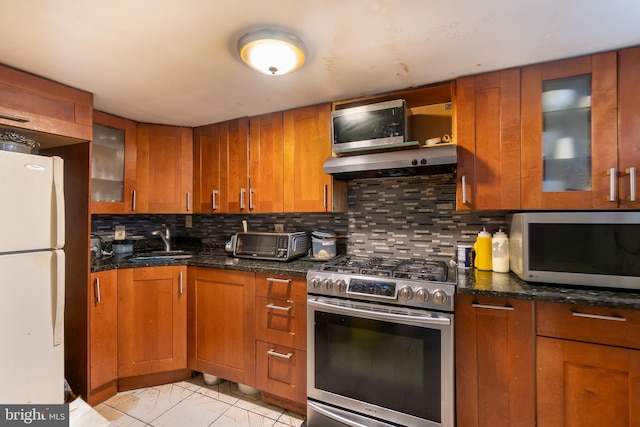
(272, 51)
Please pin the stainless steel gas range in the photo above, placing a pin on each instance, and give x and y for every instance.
(380, 343)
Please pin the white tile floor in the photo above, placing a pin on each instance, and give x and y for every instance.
(192, 403)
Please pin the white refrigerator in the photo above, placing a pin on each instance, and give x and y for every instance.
(32, 279)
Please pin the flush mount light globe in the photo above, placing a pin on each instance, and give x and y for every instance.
(272, 52)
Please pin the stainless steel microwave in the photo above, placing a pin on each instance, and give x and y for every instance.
(369, 127)
(598, 249)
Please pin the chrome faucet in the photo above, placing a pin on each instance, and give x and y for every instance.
(165, 235)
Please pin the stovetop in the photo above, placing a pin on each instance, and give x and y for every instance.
(414, 282)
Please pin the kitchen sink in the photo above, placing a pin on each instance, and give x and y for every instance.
(160, 256)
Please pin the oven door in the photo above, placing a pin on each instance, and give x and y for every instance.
(389, 363)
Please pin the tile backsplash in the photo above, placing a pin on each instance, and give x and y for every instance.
(402, 217)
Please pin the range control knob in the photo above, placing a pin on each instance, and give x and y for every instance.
(315, 282)
(423, 161)
(414, 162)
(422, 295)
(406, 293)
(327, 284)
(440, 297)
(340, 285)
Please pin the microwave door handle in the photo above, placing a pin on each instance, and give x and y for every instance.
(382, 316)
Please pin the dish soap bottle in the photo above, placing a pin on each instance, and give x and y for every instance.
(482, 247)
(500, 252)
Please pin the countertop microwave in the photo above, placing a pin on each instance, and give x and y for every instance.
(382, 125)
(596, 249)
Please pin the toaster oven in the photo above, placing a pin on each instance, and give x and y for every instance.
(270, 246)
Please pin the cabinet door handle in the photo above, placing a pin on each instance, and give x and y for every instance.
(133, 200)
(214, 193)
(326, 196)
(273, 279)
(242, 193)
(96, 285)
(180, 286)
(493, 307)
(612, 184)
(464, 189)
(250, 198)
(632, 183)
(277, 307)
(272, 352)
(188, 201)
(14, 118)
(598, 316)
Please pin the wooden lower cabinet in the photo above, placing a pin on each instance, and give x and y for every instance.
(221, 321)
(494, 341)
(152, 326)
(588, 366)
(103, 341)
(281, 340)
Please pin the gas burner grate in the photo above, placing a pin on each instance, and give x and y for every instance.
(412, 269)
(433, 271)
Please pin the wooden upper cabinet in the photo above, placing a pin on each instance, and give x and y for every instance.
(164, 169)
(206, 168)
(628, 127)
(569, 134)
(266, 191)
(488, 137)
(234, 166)
(113, 164)
(36, 104)
(307, 144)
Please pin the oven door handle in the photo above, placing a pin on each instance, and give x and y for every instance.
(383, 316)
(334, 416)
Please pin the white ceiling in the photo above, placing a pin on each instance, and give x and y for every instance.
(175, 61)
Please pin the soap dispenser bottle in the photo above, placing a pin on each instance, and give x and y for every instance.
(482, 247)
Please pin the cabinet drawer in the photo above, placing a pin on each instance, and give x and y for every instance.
(281, 371)
(589, 324)
(281, 321)
(283, 287)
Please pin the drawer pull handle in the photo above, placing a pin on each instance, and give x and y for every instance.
(272, 352)
(277, 307)
(273, 279)
(493, 307)
(98, 297)
(14, 118)
(598, 316)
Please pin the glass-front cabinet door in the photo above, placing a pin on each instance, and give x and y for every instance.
(569, 134)
(113, 164)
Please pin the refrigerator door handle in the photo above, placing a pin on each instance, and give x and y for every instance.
(58, 304)
(58, 188)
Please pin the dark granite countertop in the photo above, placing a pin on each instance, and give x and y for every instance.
(469, 281)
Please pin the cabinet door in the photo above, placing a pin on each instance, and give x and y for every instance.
(206, 168)
(222, 324)
(494, 362)
(581, 384)
(266, 192)
(164, 169)
(234, 166)
(569, 134)
(103, 323)
(37, 104)
(628, 126)
(113, 164)
(307, 144)
(152, 320)
(488, 137)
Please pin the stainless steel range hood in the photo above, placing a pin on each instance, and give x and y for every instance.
(419, 161)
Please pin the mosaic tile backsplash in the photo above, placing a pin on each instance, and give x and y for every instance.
(403, 217)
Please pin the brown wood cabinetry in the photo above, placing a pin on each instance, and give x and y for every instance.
(164, 169)
(495, 383)
(221, 167)
(152, 322)
(36, 104)
(628, 127)
(488, 137)
(103, 333)
(222, 324)
(281, 357)
(128, 166)
(307, 144)
(266, 190)
(588, 366)
(589, 184)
